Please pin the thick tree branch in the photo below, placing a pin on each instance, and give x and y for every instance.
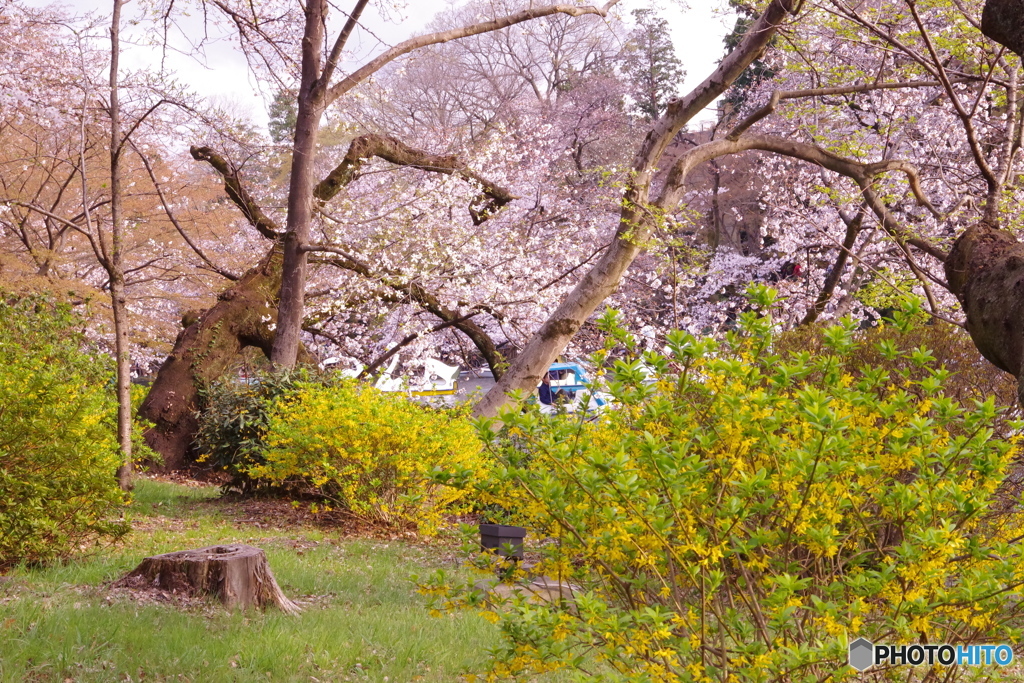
(635, 220)
(397, 152)
(863, 174)
(681, 110)
(237, 192)
(780, 95)
(857, 171)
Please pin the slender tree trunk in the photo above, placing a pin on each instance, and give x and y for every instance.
(300, 190)
(115, 266)
(853, 228)
(315, 93)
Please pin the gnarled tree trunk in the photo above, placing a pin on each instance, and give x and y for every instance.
(237, 574)
(1003, 22)
(204, 351)
(985, 270)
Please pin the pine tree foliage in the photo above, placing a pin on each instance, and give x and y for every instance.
(759, 70)
(651, 65)
(282, 113)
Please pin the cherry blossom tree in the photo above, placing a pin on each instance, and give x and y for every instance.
(485, 218)
(204, 352)
(84, 201)
(317, 89)
(863, 90)
(937, 93)
(639, 215)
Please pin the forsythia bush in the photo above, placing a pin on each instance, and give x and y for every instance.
(368, 452)
(58, 453)
(749, 514)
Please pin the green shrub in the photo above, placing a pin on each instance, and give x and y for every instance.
(971, 376)
(233, 423)
(749, 514)
(58, 451)
(368, 452)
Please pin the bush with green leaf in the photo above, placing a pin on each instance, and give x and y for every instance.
(58, 450)
(750, 513)
(233, 422)
(369, 453)
(142, 455)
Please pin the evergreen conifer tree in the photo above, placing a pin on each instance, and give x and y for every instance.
(282, 115)
(651, 64)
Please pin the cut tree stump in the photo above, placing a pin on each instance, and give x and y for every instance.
(237, 574)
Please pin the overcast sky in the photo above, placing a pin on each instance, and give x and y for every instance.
(697, 32)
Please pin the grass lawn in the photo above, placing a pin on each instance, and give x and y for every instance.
(362, 619)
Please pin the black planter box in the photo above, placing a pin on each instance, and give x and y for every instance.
(506, 540)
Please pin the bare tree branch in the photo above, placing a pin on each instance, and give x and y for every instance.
(177, 225)
(928, 248)
(362, 73)
(965, 117)
(332, 60)
(636, 221)
(383, 358)
(63, 221)
(853, 228)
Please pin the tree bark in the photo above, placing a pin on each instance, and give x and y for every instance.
(985, 270)
(637, 218)
(300, 190)
(1003, 22)
(207, 347)
(115, 266)
(238, 575)
(204, 351)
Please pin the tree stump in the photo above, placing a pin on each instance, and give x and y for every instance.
(237, 574)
